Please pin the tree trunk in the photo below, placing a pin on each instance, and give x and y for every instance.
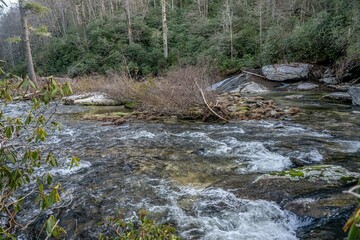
(128, 18)
(103, 8)
(111, 8)
(229, 25)
(260, 23)
(164, 28)
(26, 43)
(83, 22)
(91, 11)
(63, 18)
(11, 54)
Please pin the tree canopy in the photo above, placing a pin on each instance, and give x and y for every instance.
(126, 36)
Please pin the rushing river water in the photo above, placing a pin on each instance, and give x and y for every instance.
(175, 170)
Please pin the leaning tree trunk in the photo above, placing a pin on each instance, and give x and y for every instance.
(26, 43)
(164, 29)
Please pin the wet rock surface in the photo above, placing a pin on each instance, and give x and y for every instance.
(298, 96)
(339, 97)
(253, 87)
(307, 86)
(322, 206)
(239, 84)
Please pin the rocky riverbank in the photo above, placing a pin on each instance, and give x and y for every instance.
(241, 97)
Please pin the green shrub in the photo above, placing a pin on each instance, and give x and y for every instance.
(137, 228)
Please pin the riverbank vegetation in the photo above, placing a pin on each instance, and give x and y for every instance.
(22, 159)
(127, 37)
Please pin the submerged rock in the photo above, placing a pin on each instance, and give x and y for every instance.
(329, 80)
(294, 183)
(337, 97)
(324, 207)
(355, 95)
(307, 86)
(300, 159)
(283, 72)
(90, 99)
(340, 87)
(294, 96)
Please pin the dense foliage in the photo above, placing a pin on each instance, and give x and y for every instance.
(229, 35)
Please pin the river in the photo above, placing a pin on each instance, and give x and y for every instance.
(179, 171)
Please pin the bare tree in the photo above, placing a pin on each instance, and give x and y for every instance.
(260, 22)
(228, 24)
(164, 28)
(129, 23)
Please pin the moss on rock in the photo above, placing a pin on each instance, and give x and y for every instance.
(326, 173)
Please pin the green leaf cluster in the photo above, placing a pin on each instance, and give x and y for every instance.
(42, 31)
(138, 228)
(36, 8)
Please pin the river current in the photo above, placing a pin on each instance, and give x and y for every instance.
(173, 169)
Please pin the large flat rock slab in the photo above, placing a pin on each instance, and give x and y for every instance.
(90, 99)
(283, 72)
(239, 84)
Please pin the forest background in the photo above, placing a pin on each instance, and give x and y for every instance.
(82, 37)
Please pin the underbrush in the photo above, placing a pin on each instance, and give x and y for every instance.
(177, 92)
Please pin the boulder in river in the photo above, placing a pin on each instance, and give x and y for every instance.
(330, 174)
(337, 97)
(230, 85)
(239, 83)
(293, 183)
(254, 87)
(294, 96)
(283, 72)
(321, 207)
(355, 94)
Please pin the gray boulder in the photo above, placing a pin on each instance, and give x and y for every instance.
(230, 85)
(236, 84)
(254, 87)
(355, 94)
(282, 72)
